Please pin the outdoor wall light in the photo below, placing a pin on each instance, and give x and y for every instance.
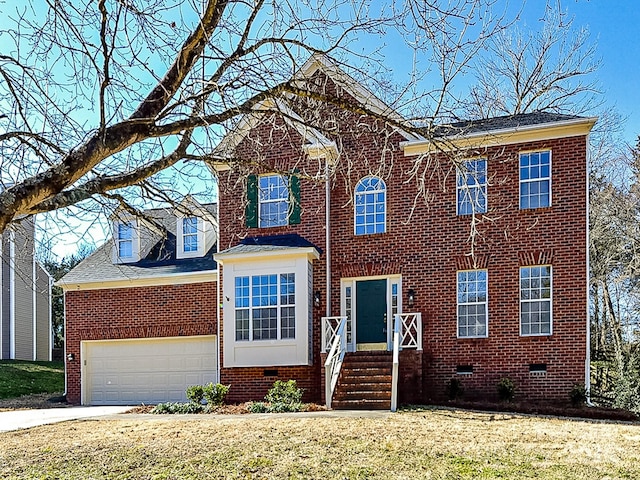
(71, 357)
(316, 299)
(412, 296)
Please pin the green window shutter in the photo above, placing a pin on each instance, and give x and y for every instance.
(251, 210)
(294, 199)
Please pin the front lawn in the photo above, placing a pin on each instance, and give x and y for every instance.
(429, 444)
(19, 378)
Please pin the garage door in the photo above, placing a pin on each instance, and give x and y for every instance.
(149, 371)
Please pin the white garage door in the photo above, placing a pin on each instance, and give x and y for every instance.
(149, 371)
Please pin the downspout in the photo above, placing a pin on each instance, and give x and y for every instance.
(327, 246)
(587, 362)
(219, 305)
(64, 340)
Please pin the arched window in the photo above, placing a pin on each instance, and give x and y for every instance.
(370, 206)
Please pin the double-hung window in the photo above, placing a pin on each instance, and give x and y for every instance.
(273, 197)
(535, 300)
(472, 187)
(370, 198)
(125, 239)
(273, 200)
(472, 303)
(190, 234)
(265, 307)
(535, 179)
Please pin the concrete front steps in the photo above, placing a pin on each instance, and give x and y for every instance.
(365, 382)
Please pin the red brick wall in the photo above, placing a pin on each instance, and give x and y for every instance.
(426, 242)
(142, 312)
(254, 383)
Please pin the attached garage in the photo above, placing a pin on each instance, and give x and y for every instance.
(149, 371)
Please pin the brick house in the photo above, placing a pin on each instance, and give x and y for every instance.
(472, 248)
(25, 297)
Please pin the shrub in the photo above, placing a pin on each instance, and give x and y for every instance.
(578, 395)
(455, 389)
(195, 393)
(281, 397)
(169, 407)
(214, 394)
(506, 389)
(284, 392)
(257, 407)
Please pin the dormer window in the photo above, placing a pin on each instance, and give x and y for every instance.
(190, 234)
(125, 240)
(196, 230)
(131, 240)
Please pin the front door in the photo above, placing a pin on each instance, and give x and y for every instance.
(371, 311)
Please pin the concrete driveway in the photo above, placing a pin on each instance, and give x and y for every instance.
(19, 419)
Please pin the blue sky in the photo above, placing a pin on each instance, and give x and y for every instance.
(613, 26)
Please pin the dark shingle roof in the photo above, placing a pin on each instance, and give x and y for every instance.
(506, 122)
(270, 243)
(160, 261)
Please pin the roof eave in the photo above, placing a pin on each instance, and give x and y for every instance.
(504, 136)
(141, 281)
(311, 253)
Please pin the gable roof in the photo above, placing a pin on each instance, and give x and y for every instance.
(99, 271)
(316, 144)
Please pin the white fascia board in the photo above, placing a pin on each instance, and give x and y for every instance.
(506, 136)
(171, 279)
(309, 252)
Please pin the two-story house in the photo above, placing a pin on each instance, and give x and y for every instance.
(471, 245)
(25, 297)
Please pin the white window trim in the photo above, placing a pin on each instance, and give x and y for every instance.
(355, 194)
(459, 173)
(486, 304)
(550, 177)
(199, 252)
(287, 200)
(135, 241)
(278, 306)
(531, 301)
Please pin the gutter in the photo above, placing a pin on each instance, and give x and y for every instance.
(491, 134)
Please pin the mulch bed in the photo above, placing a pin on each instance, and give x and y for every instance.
(557, 410)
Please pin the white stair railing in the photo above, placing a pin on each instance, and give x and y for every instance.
(333, 363)
(396, 362)
(329, 329)
(407, 333)
(410, 330)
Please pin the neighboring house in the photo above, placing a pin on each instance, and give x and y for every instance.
(140, 312)
(25, 297)
(482, 263)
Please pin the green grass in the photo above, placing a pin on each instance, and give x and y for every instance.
(19, 378)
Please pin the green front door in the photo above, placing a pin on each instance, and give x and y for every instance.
(371, 311)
